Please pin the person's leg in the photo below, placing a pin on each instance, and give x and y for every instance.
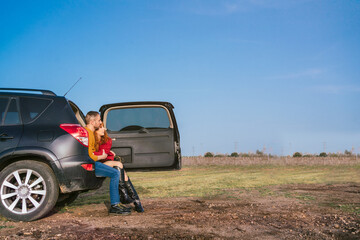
(114, 163)
(117, 164)
(124, 196)
(102, 170)
(133, 194)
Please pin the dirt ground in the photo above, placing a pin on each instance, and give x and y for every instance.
(278, 212)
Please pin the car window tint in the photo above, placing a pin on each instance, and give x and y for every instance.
(3, 105)
(127, 118)
(12, 114)
(32, 107)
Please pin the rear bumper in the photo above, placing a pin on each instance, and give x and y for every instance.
(75, 177)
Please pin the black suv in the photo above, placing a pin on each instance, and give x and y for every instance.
(44, 147)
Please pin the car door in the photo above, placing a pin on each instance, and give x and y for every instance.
(10, 125)
(144, 134)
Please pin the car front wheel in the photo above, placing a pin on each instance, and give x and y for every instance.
(28, 190)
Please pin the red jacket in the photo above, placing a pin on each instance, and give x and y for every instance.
(106, 146)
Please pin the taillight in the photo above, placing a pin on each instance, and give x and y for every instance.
(87, 166)
(78, 132)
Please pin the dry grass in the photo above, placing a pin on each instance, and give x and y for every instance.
(282, 161)
(208, 177)
(209, 181)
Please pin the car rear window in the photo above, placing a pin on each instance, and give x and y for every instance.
(32, 107)
(123, 119)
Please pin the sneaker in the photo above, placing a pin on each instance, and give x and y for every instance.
(122, 206)
(108, 205)
(119, 209)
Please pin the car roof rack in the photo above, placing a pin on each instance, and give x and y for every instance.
(44, 92)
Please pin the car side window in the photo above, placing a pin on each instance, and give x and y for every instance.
(127, 119)
(32, 107)
(3, 105)
(12, 115)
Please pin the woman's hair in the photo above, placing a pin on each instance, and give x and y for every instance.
(100, 140)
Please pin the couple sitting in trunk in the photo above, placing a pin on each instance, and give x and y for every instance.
(121, 189)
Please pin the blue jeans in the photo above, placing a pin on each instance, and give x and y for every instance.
(102, 170)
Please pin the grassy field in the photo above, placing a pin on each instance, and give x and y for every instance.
(276, 200)
(210, 181)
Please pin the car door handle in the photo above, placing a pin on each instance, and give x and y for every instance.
(5, 137)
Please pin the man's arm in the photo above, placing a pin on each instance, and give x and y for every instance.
(92, 147)
(100, 155)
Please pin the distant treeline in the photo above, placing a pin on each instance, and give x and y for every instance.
(259, 153)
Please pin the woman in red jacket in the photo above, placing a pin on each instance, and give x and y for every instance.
(127, 191)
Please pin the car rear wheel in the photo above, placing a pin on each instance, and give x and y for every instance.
(28, 190)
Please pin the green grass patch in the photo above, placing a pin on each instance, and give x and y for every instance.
(266, 192)
(1, 226)
(210, 181)
(352, 208)
(303, 197)
(93, 197)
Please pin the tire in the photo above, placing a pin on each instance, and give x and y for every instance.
(28, 190)
(67, 199)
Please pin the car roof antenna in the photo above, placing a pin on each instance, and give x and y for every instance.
(73, 86)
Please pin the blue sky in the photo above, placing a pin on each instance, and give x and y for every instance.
(242, 74)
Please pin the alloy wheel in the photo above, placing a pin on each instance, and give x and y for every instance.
(23, 191)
